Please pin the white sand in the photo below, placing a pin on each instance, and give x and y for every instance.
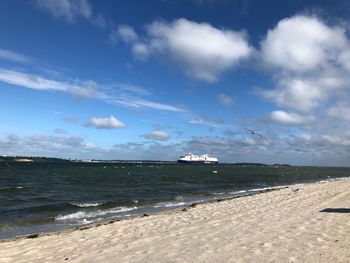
(278, 226)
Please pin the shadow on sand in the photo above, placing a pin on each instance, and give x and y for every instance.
(336, 210)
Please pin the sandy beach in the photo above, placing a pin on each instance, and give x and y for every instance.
(285, 225)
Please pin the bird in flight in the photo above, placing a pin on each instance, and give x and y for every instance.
(253, 132)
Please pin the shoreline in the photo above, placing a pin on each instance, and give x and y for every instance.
(162, 211)
(165, 210)
(290, 224)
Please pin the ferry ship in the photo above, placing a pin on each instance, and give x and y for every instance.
(200, 159)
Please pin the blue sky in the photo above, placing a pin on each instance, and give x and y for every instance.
(155, 79)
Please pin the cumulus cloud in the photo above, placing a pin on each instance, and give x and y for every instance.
(304, 93)
(302, 43)
(308, 59)
(6, 54)
(105, 123)
(225, 100)
(157, 135)
(199, 49)
(290, 118)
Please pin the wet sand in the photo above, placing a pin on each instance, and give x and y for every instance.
(303, 223)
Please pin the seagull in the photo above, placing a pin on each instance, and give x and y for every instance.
(253, 132)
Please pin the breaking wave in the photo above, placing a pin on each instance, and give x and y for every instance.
(85, 216)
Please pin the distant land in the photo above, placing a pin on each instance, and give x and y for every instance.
(40, 159)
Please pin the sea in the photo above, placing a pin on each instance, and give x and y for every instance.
(46, 196)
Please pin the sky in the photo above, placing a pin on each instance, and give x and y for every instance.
(244, 81)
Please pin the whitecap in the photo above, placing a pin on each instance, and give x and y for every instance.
(87, 204)
(93, 214)
(170, 204)
(76, 215)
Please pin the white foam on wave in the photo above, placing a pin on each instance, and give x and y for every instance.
(81, 215)
(337, 179)
(87, 204)
(170, 204)
(323, 181)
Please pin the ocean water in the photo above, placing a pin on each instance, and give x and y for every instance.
(36, 197)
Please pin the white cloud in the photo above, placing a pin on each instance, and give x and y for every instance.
(337, 140)
(105, 123)
(303, 93)
(78, 88)
(99, 21)
(206, 122)
(344, 59)
(157, 135)
(134, 89)
(309, 62)
(43, 145)
(140, 50)
(300, 149)
(71, 10)
(126, 95)
(305, 136)
(13, 56)
(134, 97)
(225, 100)
(302, 43)
(290, 118)
(143, 103)
(127, 33)
(199, 49)
(67, 9)
(340, 112)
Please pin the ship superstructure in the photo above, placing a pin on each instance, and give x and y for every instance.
(192, 158)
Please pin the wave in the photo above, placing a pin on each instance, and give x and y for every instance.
(11, 188)
(93, 214)
(87, 204)
(171, 204)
